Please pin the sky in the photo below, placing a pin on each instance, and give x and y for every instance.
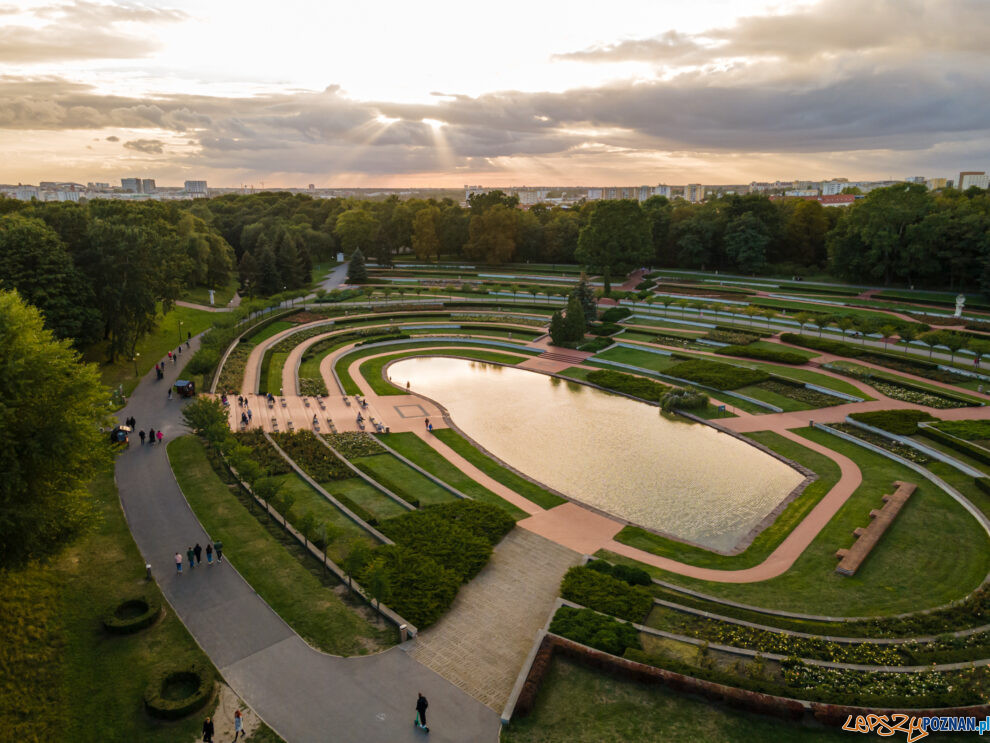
(443, 94)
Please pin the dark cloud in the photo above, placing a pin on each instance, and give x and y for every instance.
(113, 138)
(80, 30)
(148, 146)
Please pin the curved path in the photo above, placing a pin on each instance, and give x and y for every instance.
(303, 694)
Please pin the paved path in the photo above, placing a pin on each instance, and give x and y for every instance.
(482, 642)
(303, 694)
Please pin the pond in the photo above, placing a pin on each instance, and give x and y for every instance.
(621, 456)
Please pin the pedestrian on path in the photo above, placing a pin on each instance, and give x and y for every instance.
(169, 355)
(160, 436)
(198, 551)
(169, 393)
(192, 558)
(141, 434)
(426, 424)
(175, 359)
(238, 725)
(209, 553)
(421, 705)
(250, 416)
(218, 548)
(178, 562)
(208, 730)
(151, 435)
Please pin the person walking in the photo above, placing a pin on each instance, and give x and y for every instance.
(198, 551)
(218, 548)
(151, 435)
(192, 558)
(250, 416)
(141, 434)
(160, 435)
(208, 730)
(209, 553)
(421, 705)
(238, 725)
(169, 393)
(169, 355)
(178, 563)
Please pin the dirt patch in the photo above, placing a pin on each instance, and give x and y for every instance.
(223, 717)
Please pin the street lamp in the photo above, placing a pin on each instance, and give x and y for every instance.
(136, 357)
(181, 323)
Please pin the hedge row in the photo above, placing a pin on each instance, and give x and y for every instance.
(263, 453)
(732, 337)
(614, 314)
(604, 328)
(122, 619)
(644, 389)
(606, 594)
(309, 453)
(719, 376)
(766, 354)
(900, 422)
(592, 629)
(971, 430)
(963, 447)
(632, 575)
(596, 345)
(822, 344)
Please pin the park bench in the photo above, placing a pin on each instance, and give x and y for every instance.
(306, 401)
(291, 427)
(282, 400)
(322, 405)
(868, 536)
(274, 424)
(347, 401)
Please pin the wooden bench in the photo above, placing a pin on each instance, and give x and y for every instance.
(320, 401)
(274, 424)
(868, 536)
(282, 399)
(306, 401)
(292, 428)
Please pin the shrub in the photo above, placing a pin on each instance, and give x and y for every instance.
(971, 430)
(901, 422)
(766, 354)
(419, 588)
(132, 615)
(204, 361)
(159, 698)
(606, 594)
(614, 314)
(822, 344)
(644, 389)
(590, 628)
(309, 453)
(604, 328)
(596, 345)
(489, 522)
(732, 337)
(632, 575)
(719, 376)
(679, 399)
(312, 386)
(644, 284)
(263, 453)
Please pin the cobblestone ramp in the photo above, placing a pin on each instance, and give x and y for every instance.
(482, 642)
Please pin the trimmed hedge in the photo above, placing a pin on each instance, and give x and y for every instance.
(604, 328)
(173, 709)
(606, 594)
(121, 620)
(822, 344)
(614, 314)
(644, 389)
(766, 354)
(596, 345)
(593, 629)
(719, 376)
(420, 589)
(632, 575)
(970, 430)
(490, 522)
(963, 447)
(900, 422)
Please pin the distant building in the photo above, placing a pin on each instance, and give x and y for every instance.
(694, 192)
(967, 180)
(195, 187)
(840, 199)
(802, 192)
(594, 194)
(312, 186)
(148, 185)
(661, 190)
(915, 179)
(934, 184)
(131, 185)
(530, 197)
(831, 188)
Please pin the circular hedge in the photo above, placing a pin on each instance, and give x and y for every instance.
(175, 693)
(132, 615)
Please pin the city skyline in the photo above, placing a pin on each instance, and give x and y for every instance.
(402, 99)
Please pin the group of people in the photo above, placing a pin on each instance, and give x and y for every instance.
(195, 555)
(209, 728)
(152, 435)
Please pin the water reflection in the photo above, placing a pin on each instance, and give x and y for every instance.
(607, 451)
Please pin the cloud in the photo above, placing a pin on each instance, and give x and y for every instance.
(148, 146)
(80, 30)
(113, 138)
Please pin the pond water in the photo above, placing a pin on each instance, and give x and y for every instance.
(621, 456)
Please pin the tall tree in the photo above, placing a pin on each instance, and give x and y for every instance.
(357, 272)
(356, 228)
(425, 241)
(50, 440)
(586, 298)
(493, 235)
(746, 241)
(616, 239)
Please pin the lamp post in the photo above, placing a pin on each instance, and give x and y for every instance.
(135, 359)
(181, 323)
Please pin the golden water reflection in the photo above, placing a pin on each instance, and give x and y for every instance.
(621, 456)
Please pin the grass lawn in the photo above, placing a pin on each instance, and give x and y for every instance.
(522, 486)
(367, 496)
(63, 677)
(579, 705)
(297, 591)
(934, 553)
(418, 451)
(403, 480)
(769, 538)
(271, 373)
(221, 297)
(152, 348)
(787, 404)
(308, 500)
(269, 330)
(371, 370)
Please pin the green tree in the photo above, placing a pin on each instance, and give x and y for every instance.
(355, 560)
(574, 322)
(357, 272)
(425, 241)
(558, 331)
(616, 239)
(493, 235)
(378, 580)
(931, 339)
(356, 228)
(269, 279)
(586, 297)
(207, 417)
(50, 440)
(746, 239)
(804, 234)
(803, 318)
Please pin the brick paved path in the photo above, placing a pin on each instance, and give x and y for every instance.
(481, 643)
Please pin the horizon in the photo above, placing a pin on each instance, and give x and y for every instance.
(402, 99)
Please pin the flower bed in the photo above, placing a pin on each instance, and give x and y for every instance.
(719, 376)
(232, 374)
(814, 398)
(317, 460)
(902, 450)
(732, 337)
(644, 389)
(311, 386)
(605, 593)
(355, 444)
(929, 399)
(673, 340)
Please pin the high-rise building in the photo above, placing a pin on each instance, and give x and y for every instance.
(915, 179)
(195, 187)
(661, 190)
(976, 178)
(131, 185)
(594, 194)
(936, 183)
(148, 185)
(694, 192)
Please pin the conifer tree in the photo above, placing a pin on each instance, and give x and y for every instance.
(357, 272)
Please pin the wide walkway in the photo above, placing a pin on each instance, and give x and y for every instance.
(303, 694)
(483, 641)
